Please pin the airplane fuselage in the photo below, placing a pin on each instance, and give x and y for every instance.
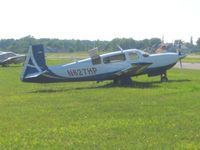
(110, 66)
(86, 70)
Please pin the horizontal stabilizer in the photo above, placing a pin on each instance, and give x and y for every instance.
(34, 75)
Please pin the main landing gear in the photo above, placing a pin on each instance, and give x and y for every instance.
(123, 81)
(5, 65)
(163, 77)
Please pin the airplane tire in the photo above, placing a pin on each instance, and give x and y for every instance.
(116, 81)
(164, 79)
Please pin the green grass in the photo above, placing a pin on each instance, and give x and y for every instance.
(190, 59)
(87, 115)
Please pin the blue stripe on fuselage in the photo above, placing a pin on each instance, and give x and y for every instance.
(51, 77)
(157, 70)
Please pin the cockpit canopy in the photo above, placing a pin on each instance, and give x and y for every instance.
(132, 55)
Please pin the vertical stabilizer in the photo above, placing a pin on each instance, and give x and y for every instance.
(35, 63)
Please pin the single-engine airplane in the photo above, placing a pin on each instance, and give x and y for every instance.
(118, 66)
(7, 58)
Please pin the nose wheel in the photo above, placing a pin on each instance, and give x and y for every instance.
(163, 77)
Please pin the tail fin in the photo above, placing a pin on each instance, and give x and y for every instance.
(35, 63)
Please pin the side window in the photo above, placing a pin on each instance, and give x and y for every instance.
(114, 58)
(11, 55)
(145, 55)
(96, 61)
(133, 56)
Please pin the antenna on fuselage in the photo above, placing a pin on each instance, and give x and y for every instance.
(74, 59)
(120, 48)
(179, 45)
(93, 53)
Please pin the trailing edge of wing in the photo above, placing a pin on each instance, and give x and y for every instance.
(8, 60)
(13, 60)
(135, 68)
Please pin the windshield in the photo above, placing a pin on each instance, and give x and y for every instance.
(145, 55)
(114, 58)
(133, 56)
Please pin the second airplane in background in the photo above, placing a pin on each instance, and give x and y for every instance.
(7, 58)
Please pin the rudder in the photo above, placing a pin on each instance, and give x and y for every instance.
(35, 63)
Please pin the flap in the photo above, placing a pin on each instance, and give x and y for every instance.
(135, 68)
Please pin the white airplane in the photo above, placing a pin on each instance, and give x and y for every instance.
(118, 66)
(7, 58)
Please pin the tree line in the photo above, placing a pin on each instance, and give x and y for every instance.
(57, 45)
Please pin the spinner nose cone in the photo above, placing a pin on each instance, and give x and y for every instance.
(181, 56)
(172, 58)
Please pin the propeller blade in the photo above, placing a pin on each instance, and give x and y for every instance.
(181, 64)
(119, 47)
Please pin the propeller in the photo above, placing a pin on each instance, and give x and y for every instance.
(180, 63)
(181, 56)
(93, 53)
(120, 47)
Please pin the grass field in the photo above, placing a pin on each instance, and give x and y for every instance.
(192, 59)
(87, 115)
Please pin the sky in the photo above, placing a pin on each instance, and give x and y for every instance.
(100, 19)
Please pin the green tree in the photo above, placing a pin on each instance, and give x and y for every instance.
(198, 43)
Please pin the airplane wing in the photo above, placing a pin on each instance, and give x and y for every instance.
(135, 68)
(45, 73)
(7, 61)
(15, 59)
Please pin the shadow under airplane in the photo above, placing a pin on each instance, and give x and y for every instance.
(135, 84)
